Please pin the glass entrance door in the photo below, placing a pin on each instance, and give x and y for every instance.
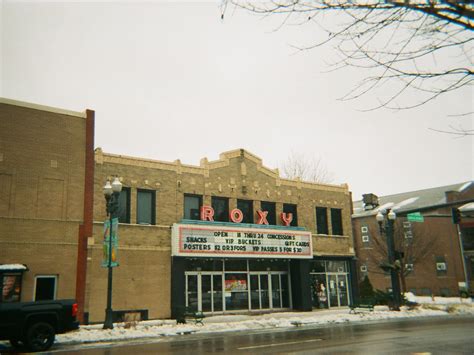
(338, 295)
(204, 291)
(269, 290)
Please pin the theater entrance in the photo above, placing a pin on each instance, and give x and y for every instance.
(219, 292)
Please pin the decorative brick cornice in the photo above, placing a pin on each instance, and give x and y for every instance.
(206, 166)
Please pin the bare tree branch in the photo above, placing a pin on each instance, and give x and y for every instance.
(408, 46)
(299, 166)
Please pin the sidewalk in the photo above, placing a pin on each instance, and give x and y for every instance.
(156, 329)
(232, 323)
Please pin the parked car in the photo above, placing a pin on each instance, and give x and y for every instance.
(35, 324)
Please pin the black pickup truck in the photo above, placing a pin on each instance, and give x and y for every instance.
(35, 324)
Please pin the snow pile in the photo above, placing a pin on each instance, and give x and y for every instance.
(155, 329)
(428, 306)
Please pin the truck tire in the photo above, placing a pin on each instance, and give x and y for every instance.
(40, 336)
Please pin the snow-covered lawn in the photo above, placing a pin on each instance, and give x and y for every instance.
(224, 323)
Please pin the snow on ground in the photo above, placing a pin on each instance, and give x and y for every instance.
(438, 306)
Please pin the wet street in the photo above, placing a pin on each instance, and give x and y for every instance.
(433, 335)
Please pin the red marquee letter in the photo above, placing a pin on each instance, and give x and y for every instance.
(207, 213)
(286, 218)
(262, 217)
(236, 215)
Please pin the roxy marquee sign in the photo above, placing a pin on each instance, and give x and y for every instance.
(224, 241)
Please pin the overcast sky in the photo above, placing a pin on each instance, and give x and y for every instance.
(171, 80)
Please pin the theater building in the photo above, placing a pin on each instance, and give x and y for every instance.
(223, 236)
(226, 236)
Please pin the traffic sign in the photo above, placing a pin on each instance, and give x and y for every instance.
(415, 217)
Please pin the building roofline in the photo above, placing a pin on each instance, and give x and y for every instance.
(460, 184)
(42, 107)
(206, 165)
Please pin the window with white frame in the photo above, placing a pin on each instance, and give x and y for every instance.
(441, 266)
(365, 235)
(409, 267)
(45, 287)
(363, 268)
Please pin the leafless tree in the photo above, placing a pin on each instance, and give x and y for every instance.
(306, 168)
(414, 243)
(414, 50)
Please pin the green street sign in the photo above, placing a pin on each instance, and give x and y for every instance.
(415, 217)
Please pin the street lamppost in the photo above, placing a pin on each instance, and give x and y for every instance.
(111, 193)
(387, 227)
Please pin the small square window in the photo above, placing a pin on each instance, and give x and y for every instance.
(407, 225)
(441, 266)
(365, 238)
(408, 235)
(363, 268)
(409, 267)
(364, 229)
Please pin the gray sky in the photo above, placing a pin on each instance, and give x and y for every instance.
(171, 80)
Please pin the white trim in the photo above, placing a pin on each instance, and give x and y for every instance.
(365, 238)
(409, 267)
(44, 277)
(441, 266)
(364, 229)
(363, 268)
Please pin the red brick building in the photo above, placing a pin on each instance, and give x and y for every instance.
(432, 260)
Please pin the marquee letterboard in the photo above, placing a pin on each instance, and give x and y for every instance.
(226, 241)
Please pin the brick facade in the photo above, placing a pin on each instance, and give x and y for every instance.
(145, 251)
(42, 187)
(432, 241)
(52, 210)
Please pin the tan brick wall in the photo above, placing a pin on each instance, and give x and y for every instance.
(41, 192)
(143, 276)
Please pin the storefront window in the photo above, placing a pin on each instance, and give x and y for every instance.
(203, 265)
(319, 296)
(322, 220)
(246, 206)
(11, 287)
(318, 266)
(221, 209)
(336, 221)
(336, 266)
(192, 205)
(145, 207)
(289, 208)
(268, 265)
(270, 207)
(236, 294)
(235, 265)
(124, 205)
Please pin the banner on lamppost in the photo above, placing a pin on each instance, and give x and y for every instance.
(106, 246)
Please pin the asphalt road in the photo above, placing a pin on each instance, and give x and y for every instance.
(440, 335)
